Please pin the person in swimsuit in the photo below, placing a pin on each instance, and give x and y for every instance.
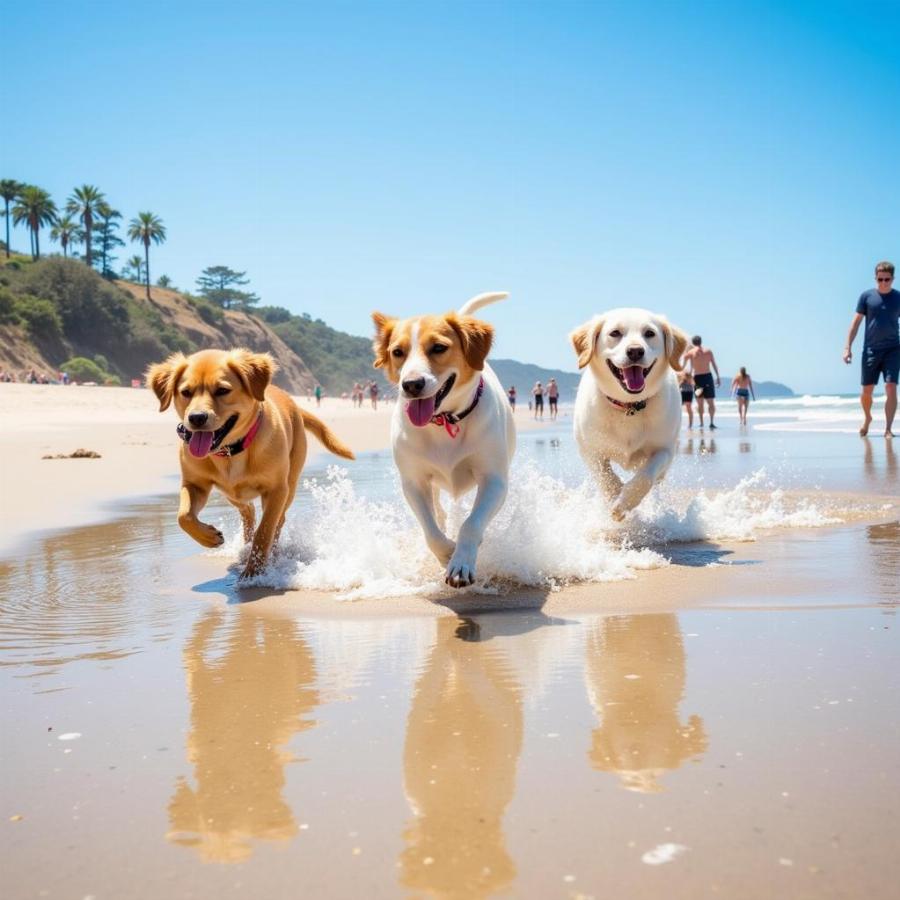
(538, 393)
(511, 393)
(742, 388)
(686, 386)
(701, 359)
(373, 394)
(553, 397)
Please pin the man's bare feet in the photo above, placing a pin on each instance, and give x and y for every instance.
(864, 430)
(889, 434)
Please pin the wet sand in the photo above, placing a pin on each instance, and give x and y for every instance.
(725, 725)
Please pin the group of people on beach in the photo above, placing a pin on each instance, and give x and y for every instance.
(32, 376)
(695, 381)
(536, 401)
(358, 394)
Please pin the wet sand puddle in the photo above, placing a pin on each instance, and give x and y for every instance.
(162, 738)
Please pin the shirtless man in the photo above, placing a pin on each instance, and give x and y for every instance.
(701, 358)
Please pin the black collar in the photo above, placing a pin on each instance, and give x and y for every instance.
(451, 421)
(630, 408)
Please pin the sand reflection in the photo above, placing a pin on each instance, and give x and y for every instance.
(250, 684)
(463, 739)
(635, 678)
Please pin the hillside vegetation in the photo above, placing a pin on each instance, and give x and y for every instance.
(54, 310)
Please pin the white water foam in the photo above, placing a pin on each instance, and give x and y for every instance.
(547, 535)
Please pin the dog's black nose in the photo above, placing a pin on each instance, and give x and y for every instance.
(199, 419)
(414, 386)
(635, 353)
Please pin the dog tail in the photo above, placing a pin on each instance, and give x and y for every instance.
(327, 438)
(477, 302)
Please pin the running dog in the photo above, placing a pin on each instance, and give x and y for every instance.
(240, 434)
(628, 407)
(452, 429)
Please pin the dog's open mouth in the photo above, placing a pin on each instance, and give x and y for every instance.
(202, 443)
(422, 409)
(632, 378)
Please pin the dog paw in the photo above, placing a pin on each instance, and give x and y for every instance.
(618, 512)
(208, 535)
(461, 570)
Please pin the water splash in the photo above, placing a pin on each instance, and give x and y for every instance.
(547, 535)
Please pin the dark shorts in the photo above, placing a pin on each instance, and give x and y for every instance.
(552, 400)
(706, 384)
(743, 392)
(687, 396)
(880, 362)
(539, 401)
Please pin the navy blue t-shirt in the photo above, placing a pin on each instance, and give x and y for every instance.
(882, 312)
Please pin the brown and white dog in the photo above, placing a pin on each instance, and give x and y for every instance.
(452, 428)
(240, 434)
(628, 407)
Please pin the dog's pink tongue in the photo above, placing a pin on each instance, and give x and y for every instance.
(200, 443)
(420, 411)
(634, 377)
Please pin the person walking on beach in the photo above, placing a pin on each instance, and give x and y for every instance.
(318, 393)
(880, 307)
(373, 394)
(686, 386)
(511, 393)
(701, 359)
(553, 397)
(742, 388)
(537, 392)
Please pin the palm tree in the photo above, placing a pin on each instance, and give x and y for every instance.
(145, 228)
(65, 230)
(9, 190)
(84, 203)
(35, 209)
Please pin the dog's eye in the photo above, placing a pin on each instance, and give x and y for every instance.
(222, 391)
(649, 334)
(186, 393)
(397, 351)
(439, 348)
(615, 333)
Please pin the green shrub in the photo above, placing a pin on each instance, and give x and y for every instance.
(8, 313)
(82, 369)
(40, 318)
(101, 361)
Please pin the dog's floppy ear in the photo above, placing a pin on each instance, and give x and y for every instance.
(255, 370)
(162, 378)
(584, 338)
(676, 342)
(475, 336)
(384, 328)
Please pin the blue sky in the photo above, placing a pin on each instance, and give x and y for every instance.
(732, 165)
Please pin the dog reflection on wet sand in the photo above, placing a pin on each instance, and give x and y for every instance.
(249, 683)
(635, 680)
(463, 740)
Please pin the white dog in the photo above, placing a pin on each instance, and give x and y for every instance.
(628, 408)
(452, 427)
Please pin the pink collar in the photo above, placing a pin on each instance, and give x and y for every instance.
(244, 442)
(450, 421)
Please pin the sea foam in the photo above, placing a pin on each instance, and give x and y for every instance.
(546, 535)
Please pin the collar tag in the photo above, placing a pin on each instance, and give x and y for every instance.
(629, 408)
(450, 421)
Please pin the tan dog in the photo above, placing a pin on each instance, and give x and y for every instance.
(242, 435)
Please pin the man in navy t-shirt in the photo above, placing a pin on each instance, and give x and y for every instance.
(881, 346)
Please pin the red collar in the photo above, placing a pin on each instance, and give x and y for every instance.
(244, 442)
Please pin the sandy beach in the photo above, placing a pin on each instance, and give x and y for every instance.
(654, 710)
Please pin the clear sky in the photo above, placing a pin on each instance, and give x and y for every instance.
(733, 165)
